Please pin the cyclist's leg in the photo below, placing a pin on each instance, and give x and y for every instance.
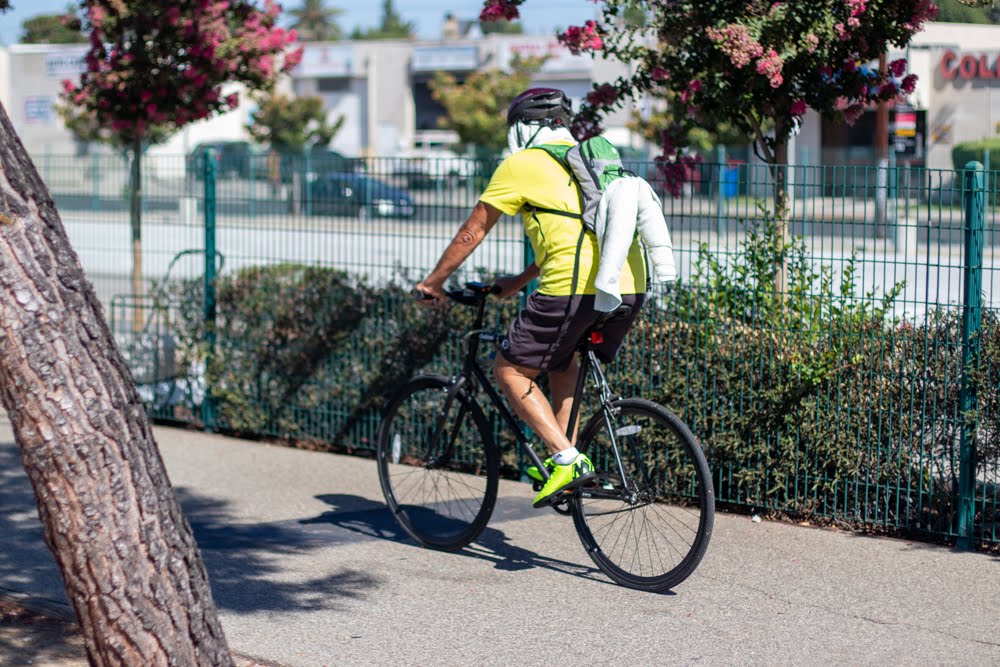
(530, 404)
(562, 385)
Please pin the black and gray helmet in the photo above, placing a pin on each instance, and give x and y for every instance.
(541, 106)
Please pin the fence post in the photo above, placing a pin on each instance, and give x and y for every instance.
(208, 404)
(975, 213)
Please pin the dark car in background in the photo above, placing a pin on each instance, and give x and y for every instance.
(279, 166)
(357, 195)
(233, 159)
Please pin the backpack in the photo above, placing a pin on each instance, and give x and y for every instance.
(593, 163)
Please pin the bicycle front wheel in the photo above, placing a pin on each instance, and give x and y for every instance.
(437, 463)
(648, 520)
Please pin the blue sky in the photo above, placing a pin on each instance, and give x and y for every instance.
(538, 16)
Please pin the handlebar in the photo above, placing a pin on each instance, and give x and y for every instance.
(472, 294)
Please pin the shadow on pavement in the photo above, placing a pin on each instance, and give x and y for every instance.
(26, 564)
(247, 562)
(373, 519)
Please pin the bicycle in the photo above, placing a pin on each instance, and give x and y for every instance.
(645, 521)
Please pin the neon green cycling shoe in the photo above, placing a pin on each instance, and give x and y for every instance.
(565, 478)
(534, 473)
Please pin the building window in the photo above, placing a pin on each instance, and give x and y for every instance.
(340, 84)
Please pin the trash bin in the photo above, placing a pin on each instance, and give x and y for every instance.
(731, 179)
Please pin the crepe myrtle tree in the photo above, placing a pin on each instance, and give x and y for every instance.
(755, 65)
(153, 67)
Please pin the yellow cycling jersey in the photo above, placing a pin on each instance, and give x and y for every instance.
(532, 178)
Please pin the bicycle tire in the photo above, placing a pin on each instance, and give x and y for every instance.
(443, 498)
(655, 539)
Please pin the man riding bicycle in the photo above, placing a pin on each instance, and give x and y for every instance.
(547, 332)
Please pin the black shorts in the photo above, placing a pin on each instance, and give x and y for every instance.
(549, 329)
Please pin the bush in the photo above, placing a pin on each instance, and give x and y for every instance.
(965, 152)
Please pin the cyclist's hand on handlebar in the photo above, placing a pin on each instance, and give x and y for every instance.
(429, 293)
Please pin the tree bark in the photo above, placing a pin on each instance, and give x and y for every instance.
(129, 562)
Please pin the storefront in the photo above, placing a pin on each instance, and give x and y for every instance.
(336, 74)
(459, 61)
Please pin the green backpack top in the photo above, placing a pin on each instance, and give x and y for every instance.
(593, 163)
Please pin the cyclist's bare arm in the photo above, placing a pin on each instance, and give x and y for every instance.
(469, 236)
(510, 285)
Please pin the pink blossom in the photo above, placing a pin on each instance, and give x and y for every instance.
(497, 10)
(798, 107)
(584, 128)
(812, 42)
(736, 42)
(603, 96)
(925, 10)
(857, 7)
(897, 67)
(151, 110)
(233, 100)
(659, 74)
(853, 113)
(850, 66)
(908, 84)
(676, 170)
(842, 33)
(582, 38)
(770, 65)
(68, 86)
(888, 89)
(293, 58)
(145, 96)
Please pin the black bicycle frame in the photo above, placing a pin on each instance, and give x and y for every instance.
(471, 368)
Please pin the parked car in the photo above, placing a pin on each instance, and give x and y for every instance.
(233, 159)
(320, 160)
(358, 195)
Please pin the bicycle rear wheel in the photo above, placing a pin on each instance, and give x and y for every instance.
(651, 531)
(437, 464)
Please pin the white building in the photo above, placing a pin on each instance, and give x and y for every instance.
(381, 89)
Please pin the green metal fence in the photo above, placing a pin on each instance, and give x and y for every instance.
(860, 385)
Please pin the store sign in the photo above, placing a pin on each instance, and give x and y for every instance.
(445, 58)
(558, 58)
(320, 61)
(968, 66)
(66, 63)
(908, 131)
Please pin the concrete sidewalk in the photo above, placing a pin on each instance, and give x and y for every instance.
(309, 569)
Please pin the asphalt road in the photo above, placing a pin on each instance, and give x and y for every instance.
(309, 569)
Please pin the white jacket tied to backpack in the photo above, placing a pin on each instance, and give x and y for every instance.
(615, 204)
(629, 206)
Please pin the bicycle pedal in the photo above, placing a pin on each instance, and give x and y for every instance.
(537, 486)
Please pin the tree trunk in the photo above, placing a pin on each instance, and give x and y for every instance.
(781, 211)
(128, 559)
(135, 218)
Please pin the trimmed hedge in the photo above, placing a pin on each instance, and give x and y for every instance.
(816, 403)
